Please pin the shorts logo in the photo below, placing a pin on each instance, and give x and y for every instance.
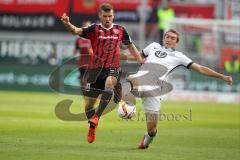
(160, 54)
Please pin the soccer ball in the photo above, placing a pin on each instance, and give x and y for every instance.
(126, 110)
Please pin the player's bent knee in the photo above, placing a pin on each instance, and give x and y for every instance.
(110, 82)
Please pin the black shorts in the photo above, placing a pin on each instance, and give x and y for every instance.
(97, 78)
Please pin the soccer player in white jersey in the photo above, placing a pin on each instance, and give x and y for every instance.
(167, 58)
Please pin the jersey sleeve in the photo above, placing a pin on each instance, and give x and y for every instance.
(88, 31)
(146, 50)
(126, 38)
(185, 61)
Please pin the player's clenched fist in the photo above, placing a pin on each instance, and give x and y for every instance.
(70, 27)
(228, 79)
(65, 18)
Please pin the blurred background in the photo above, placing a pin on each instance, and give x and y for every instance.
(33, 41)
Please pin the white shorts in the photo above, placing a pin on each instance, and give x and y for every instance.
(152, 104)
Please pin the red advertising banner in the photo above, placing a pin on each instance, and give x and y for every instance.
(193, 10)
(44, 14)
(91, 6)
(57, 7)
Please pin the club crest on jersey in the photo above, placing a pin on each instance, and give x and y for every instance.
(116, 31)
(160, 54)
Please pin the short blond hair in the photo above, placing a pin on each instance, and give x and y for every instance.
(106, 7)
(175, 32)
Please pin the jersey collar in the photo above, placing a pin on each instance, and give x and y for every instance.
(169, 49)
(105, 27)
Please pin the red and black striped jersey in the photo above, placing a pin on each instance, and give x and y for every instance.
(106, 44)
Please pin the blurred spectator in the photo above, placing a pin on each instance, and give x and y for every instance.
(83, 49)
(53, 58)
(232, 65)
(164, 14)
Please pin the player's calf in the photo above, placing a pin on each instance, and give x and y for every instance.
(117, 93)
(106, 97)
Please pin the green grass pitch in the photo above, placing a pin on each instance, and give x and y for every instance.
(29, 130)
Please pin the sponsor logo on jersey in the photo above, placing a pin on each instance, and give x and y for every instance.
(107, 37)
(160, 54)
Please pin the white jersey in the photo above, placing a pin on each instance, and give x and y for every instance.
(155, 53)
(151, 77)
(159, 62)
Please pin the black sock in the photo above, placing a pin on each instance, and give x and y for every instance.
(90, 112)
(106, 97)
(92, 126)
(118, 93)
(152, 134)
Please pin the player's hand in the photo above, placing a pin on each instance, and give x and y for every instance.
(228, 79)
(65, 19)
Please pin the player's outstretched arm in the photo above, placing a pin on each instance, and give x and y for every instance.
(69, 26)
(209, 72)
(134, 52)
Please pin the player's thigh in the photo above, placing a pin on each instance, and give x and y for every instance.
(113, 77)
(152, 104)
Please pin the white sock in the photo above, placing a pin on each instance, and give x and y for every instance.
(147, 139)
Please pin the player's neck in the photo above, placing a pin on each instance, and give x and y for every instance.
(168, 48)
(107, 27)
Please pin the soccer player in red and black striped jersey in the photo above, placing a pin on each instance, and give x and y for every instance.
(106, 39)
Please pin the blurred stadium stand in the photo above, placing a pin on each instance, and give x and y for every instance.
(31, 30)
